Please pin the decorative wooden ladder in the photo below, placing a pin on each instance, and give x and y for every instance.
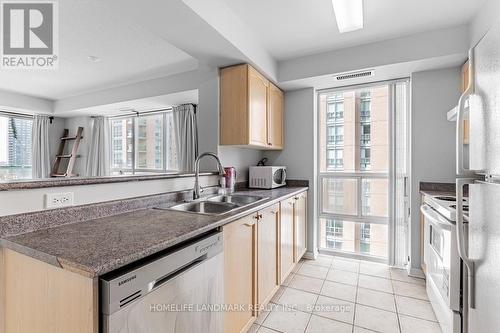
(72, 156)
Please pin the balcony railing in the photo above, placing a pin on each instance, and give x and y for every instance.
(365, 163)
(364, 115)
(335, 139)
(335, 116)
(365, 139)
(335, 162)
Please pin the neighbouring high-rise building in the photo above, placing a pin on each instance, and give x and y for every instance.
(354, 143)
(19, 142)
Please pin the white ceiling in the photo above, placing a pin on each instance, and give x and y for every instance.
(127, 52)
(293, 28)
(139, 105)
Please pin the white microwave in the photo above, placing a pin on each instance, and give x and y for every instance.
(267, 176)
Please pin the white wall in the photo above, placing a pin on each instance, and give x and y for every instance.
(23, 201)
(72, 125)
(433, 138)
(300, 154)
(241, 159)
(55, 132)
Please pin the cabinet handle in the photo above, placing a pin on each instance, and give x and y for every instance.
(296, 198)
(269, 144)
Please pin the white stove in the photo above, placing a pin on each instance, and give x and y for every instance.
(446, 205)
(442, 260)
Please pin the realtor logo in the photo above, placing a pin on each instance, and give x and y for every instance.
(29, 34)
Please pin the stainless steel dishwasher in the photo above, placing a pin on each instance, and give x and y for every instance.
(177, 292)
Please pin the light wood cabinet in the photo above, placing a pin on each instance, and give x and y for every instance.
(275, 117)
(268, 254)
(39, 297)
(240, 271)
(287, 238)
(300, 226)
(257, 108)
(251, 109)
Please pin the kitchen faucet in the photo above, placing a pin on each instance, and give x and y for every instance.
(197, 189)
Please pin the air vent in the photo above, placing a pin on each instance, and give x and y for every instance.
(354, 75)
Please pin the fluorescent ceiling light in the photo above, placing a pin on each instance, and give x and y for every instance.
(349, 14)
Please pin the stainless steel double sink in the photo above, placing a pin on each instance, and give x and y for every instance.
(216, 205)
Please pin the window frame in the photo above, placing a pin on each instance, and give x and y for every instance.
(20, 116)
(390, 175)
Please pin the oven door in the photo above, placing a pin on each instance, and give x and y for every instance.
(442, 268)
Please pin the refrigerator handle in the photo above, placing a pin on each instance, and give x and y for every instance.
(462, 251)
(461, 170)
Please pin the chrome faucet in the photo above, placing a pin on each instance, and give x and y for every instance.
(197, 190)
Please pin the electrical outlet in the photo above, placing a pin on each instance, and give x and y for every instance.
(56, 200)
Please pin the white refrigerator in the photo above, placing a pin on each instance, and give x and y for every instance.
(478, 166)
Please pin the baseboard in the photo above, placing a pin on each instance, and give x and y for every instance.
(310, 255)
(416, 272)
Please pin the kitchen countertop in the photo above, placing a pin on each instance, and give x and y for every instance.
(96, 247)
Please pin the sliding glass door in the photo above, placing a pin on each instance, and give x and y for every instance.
(356, 170)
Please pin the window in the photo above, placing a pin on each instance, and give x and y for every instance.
(334, 234)
(149, 144)
(335, 158)
(15, 147)
(335, 111)
(364, 106)
(365, 158)
(365, 134)
(353, 170)
(364, 239)
(335, 135)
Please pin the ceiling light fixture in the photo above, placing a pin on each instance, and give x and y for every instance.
(349, 14)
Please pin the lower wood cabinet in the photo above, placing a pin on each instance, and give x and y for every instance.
(267, 254)
(300, 225)
(260, 251)
(287, 234)
(42, 298)
(240, 272)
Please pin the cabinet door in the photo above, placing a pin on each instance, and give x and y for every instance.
(287, 238)
(267, 249)
(257, 108)
(275, 118)
(300, 213)
(240, 272)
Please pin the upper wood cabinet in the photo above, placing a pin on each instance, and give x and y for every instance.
(251, 109)
(275, 117)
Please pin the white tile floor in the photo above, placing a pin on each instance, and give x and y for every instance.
(337, 295)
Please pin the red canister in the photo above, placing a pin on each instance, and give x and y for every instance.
(230, 178)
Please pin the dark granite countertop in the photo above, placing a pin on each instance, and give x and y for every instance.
(443, 189)
(95, 247)
(77, 181)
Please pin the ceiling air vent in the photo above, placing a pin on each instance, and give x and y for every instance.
(354, 75)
